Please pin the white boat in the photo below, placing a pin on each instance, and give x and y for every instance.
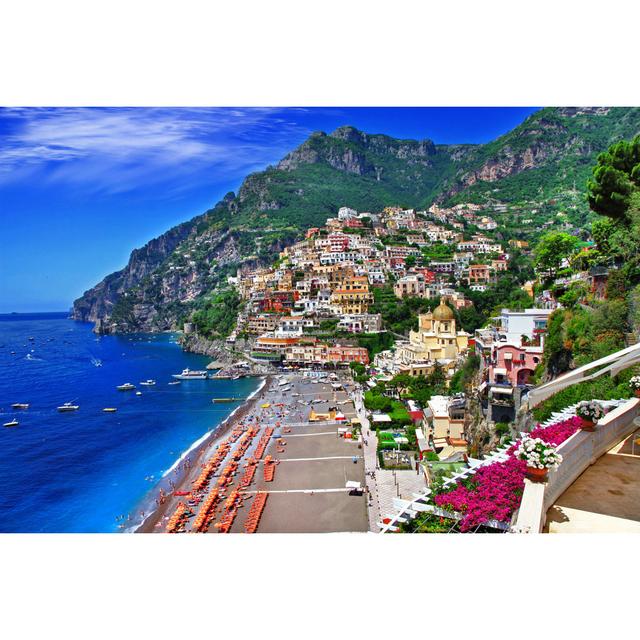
(138, 393)
(13, 423)
(175, 382)
(20, 405)
(148, 383)
(67, 406)
(127, 386)
(187, 374)
(110, 409)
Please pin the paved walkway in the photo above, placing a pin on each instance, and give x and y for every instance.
(397, 484)
(370, 447)
(386, 484)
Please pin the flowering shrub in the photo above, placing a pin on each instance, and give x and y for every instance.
(590, 410)
(494, 492)
(557, 433)
(538, 454)
(634, 383)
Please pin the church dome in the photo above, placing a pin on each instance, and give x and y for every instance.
(443, 313)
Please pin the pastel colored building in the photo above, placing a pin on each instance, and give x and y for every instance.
(513, 365)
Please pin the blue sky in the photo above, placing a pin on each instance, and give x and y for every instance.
(81, 187)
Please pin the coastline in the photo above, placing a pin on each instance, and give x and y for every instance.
(309, 492)
(181, 473)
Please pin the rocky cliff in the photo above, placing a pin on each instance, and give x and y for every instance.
(552, 150)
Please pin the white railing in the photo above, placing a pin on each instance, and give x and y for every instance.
(578, 452)
(612, 364)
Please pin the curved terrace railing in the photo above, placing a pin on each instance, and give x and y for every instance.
(612, 364)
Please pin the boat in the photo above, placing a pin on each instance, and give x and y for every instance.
(148, 383)
(67, 406)
(138, 393)
(187, 374)
(20, 405)
(175, 382)
(127, 386)
(13, 423)
(109, 409)
(217, 400)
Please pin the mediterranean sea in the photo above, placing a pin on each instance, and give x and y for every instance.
(83, 471)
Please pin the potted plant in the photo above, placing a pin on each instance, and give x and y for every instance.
(539, 456)
(589, 412)
(634, 385)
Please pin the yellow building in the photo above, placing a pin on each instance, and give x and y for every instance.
(436, 338)
(352, 295)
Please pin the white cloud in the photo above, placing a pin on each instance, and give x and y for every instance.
(119, 149)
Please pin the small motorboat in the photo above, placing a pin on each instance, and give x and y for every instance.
(13, 423)
(188, 374)
(127, 386)
(148, 383)
(138, 393)
(109, 409)
(67, 406)
(175, 382)
(20, 405)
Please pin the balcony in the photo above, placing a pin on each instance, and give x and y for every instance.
(606, 497)
(597, 486)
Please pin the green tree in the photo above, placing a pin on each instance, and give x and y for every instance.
(616, 177)
(552, 249)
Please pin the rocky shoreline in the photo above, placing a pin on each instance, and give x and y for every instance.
(216, 349)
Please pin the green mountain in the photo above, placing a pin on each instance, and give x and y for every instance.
(546, 159)
(367, 172)
(550, 152)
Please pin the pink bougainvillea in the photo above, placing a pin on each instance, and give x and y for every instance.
(494, 492)
(557, 433)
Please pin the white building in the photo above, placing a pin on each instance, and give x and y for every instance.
(516, 324)
(345, 213)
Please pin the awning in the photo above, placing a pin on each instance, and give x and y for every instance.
(501, 371)
(507, 391)
(381, 417)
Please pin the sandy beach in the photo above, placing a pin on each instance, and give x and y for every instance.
(188, 468)
(311, 467)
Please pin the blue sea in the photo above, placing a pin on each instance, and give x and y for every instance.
(80, 472)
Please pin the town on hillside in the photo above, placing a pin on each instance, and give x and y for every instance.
(391, 298)
(325, 292)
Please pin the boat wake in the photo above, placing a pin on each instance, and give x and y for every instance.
(33, 358)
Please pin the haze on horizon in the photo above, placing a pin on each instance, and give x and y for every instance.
(80, 188)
